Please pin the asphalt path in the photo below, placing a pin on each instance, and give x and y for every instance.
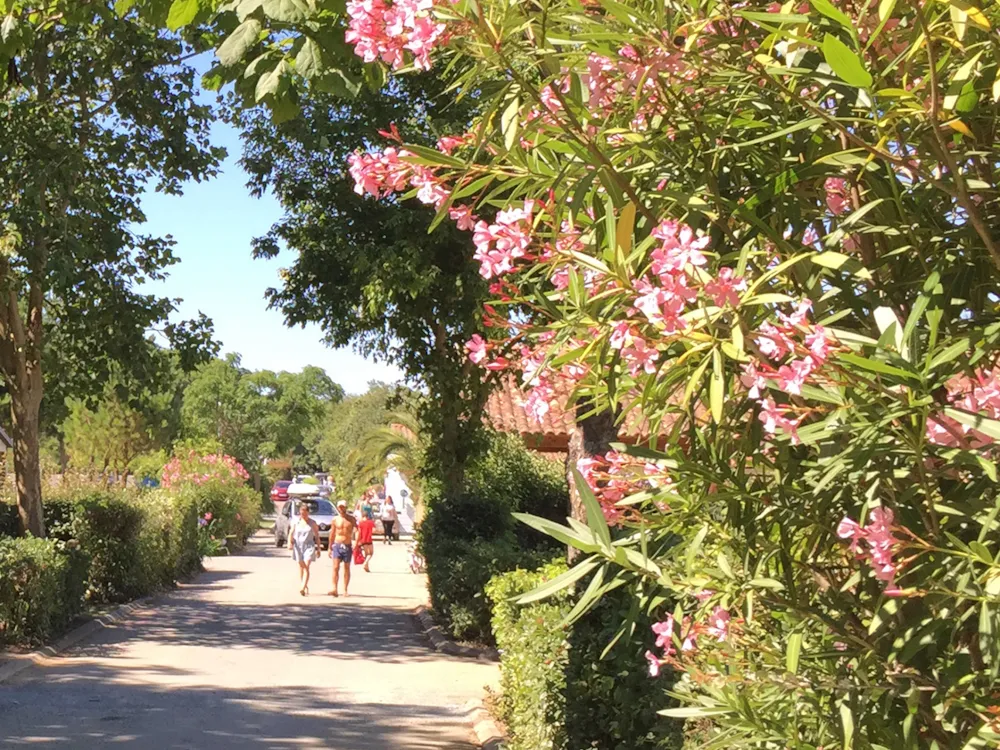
(238, 659)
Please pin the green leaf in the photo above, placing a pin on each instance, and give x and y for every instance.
(595, 516)
(182, 12)
(286, 11)
(847, 722)
(626, 225)
(694, 712)
(558, 532)
(792, 650)
(979, 422)
(876, 366)
(509, 122)
(8, 27)
(272, 82)
(559, 583)
(309, 61)
(812, 122)
(717, 386)
(766, 583)
(845, 62)
(949, 353)
(830, 11)
(962, 76)
(241, 41)
(833, 259)
(695, 546)
(122, 7)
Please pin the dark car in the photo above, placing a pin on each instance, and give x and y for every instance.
(279, 494)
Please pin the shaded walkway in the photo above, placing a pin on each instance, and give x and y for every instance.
(239, 659)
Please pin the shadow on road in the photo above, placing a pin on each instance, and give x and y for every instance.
(89, 709)
(345, 630)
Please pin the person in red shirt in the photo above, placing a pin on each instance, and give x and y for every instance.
(365, 528)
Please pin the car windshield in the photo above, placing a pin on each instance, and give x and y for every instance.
(282, 484)
(319, 507)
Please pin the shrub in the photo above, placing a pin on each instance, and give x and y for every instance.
(559, 689)
(534, 656)
(457, 572)
(41, 589)
(468, 539)
(10, 524)
(107, 525)
(232, 513)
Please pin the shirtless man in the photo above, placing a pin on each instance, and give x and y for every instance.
(340, 545)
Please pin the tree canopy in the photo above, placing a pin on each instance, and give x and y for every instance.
(96, 109)
(370, 273)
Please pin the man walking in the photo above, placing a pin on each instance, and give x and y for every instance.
(342, 534)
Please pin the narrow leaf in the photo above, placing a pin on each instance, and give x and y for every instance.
(845, 62)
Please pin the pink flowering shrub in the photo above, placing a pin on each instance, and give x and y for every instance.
(768, 234)
(203, 469)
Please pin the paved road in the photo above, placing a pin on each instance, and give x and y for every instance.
(237, 659)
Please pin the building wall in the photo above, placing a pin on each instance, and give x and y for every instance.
(402, 497)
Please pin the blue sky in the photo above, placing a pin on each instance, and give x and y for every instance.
(213, 224)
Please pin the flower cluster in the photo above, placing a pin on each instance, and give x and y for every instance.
(668, 635)
(203, 469)
(505, 240)
(385, 32)
(615, 476)
(979, 394)
(791, 365)
(880, 543)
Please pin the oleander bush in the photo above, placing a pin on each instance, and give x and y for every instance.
(41, 588)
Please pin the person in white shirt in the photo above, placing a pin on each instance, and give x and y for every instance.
(389, 519)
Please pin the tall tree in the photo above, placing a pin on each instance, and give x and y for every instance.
(95, 109)
(369, 272)
(256, 415)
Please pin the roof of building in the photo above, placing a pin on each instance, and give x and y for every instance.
(505, 413)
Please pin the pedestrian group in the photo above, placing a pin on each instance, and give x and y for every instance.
(350, 539)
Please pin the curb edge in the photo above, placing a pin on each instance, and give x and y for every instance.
(21, 662)
(445, 645)
(488, 733)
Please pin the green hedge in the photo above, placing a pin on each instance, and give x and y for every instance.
(41, 588)
(534, 653)
(468, 539)
(557, 691)
(235, 511)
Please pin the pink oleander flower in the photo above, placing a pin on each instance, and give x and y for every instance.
(718, 624)
(463, 217)
(665, 635)
(819, 344)
(476, 346)
(810, 237)
(680, 247)
(753, 380)
(837, 195)
(640, 357)
(881, 542)
(621, 335)
(792, 377)
(654, 664)
(773, 342)
(208, 516)
(773, 418)
(723, 289)
(799, 317)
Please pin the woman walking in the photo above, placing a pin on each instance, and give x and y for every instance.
(304, 543)
(389, 518)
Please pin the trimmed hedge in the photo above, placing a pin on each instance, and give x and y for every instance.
(534, 654)
(41, 589)
(557, 691)
(466, 540)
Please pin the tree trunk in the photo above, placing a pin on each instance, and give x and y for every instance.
(63, 455)
(27, 464)
(592, 436)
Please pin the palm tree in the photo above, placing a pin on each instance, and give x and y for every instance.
(392, 446)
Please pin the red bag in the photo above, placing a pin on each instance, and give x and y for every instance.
(359, 556)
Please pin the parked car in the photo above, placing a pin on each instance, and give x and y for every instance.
(321, 511)
(279, 494)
